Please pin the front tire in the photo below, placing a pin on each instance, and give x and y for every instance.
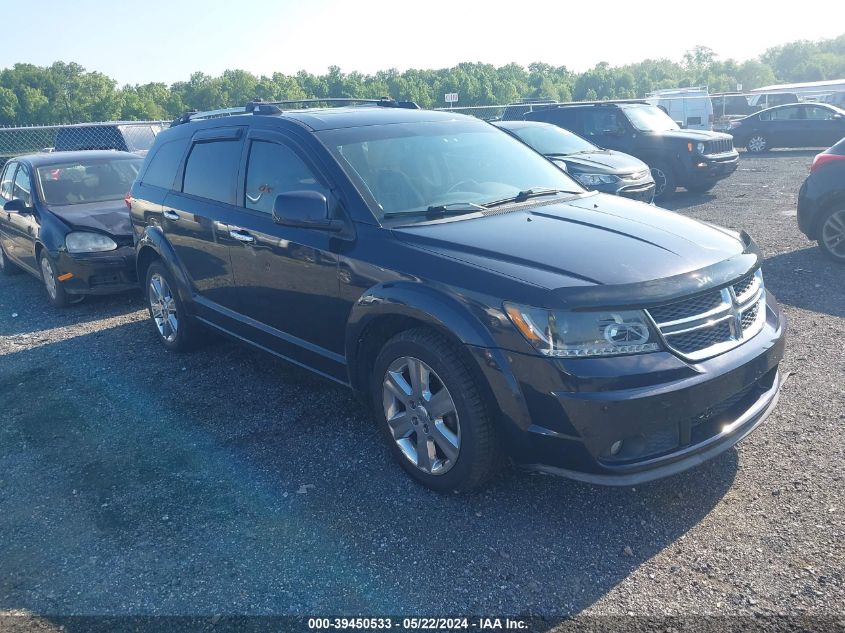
(832, 235)
(55, 293)
(175, 329)
(757, 144)
(433, 413)
(665, 182)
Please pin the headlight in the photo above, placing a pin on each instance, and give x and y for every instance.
(699, 148)
(592, 180)
(584, 334)
(89, 243)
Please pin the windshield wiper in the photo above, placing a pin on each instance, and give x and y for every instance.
(439, 210)
(522, 196)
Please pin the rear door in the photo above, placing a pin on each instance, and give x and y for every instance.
(195, 216)
(784, 126)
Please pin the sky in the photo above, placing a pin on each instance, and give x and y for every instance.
(166, 40)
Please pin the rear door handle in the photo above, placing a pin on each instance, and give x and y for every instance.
(171, 215)
(241, 236)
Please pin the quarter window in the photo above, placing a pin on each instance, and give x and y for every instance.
(274, 169)
(164, 164)
(211, 170)
(6, 181)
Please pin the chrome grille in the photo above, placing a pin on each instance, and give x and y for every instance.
(712, 323)
(720, 146)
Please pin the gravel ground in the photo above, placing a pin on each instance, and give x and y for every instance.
(133, 481)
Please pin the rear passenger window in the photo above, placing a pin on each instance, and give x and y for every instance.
(273, 169)
(211, 170)
(164, 164)
(6, 181)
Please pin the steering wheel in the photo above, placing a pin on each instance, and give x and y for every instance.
(458, 184)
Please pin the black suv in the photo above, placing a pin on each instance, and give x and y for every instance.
(482, 301)
(693, 159)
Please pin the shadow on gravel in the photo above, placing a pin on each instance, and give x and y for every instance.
(686, 199)
(806, 279)
(135, 481)
(782, 153)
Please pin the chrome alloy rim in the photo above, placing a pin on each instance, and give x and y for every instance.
(660, 181)
(421, 415)
(833, 233)
(163, 308)
(757, 144)
(49, 278)
(2, 259)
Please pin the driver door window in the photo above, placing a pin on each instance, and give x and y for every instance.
(274, 169)
(22, 188)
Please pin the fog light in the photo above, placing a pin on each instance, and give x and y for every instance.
(616, 447)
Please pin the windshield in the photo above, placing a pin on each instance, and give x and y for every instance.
(649, 118)
(81, 182)
(550, 139)
(409, 167)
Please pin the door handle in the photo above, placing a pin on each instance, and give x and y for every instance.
(241, 236)
(171, 215)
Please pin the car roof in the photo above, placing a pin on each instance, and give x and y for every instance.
(60, 158)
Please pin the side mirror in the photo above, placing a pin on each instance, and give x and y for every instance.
(304, 209)
(17, 206)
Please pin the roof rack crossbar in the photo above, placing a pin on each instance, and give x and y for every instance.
(385, 102)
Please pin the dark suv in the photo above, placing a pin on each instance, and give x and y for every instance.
(693, 159)
(482, 301)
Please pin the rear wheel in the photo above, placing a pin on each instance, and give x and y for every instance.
(757, 144)
(55, 293)
(665, 182)
(175, 328)
(6, 266)
(432, 412)
(832, 235)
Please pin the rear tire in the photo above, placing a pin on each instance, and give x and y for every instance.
(174, 327)
(665, 182)
(440, 429)
(6, 266)
(832, 234)
(757, 144)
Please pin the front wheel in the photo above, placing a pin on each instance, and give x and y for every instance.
(175, 329)
(433, 413)
(664, 181)
(55, 293)
(757, 144)
(832, 235)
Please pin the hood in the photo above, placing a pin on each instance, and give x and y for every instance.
(110, 217)
(602, 162)
(692, 135)
(590, 243)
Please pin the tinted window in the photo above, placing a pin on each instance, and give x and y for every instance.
(139, 138)
(551, 139)
(649, 118)
(603, 122)
(275, 169)
(782, 114)
(83, 181)
(816, 113)
(6, 181)
(22, 189)
(211, 169)
(164, 164)
(88, 138)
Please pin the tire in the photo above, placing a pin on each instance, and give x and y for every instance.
(757, 144)
(459, 430)
(703, 187)
(665, 181)
(56, 295)
(6, 266)
(832, 234)
(174, 327)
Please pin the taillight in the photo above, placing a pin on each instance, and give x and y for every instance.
(823, 159)
(128, 200)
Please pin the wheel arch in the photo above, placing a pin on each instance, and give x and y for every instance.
(153, 246)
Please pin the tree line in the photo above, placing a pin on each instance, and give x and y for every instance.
(67, 93)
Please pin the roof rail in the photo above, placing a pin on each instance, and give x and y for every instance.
(259, 106)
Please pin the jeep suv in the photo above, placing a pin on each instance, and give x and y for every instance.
(482, 301)
(694, 159)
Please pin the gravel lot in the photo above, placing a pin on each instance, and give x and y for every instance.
(133, 481)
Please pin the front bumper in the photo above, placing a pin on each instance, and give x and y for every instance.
(642, 190)
(98, 273)
(711, 168)
(668, 414)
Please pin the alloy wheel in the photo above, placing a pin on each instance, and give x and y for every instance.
(49, 277)
(660, 181)
(757, 144)
(833, 233)
(163, 308)
(421, 415)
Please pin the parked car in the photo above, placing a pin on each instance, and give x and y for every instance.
(129, 136)
(821, 202)
(691, 108)
(836, 98)
(765, 100)
(484, 303)
(693, 159)
(595, 168)
(65, 221)
(796, 125)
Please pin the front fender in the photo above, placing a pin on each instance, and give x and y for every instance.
(457, 318)
(152, 239)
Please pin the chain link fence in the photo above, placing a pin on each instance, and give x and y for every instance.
(127, 136)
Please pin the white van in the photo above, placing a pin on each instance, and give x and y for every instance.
(690, 107)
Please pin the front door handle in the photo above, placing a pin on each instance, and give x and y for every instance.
(241, 236)
(171, 215)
